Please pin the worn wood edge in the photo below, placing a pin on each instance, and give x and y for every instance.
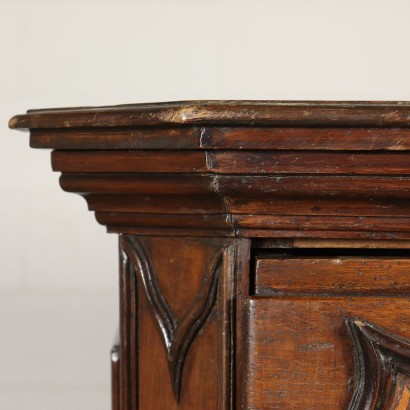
(309, 113)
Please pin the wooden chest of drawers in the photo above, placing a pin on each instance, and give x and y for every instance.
(264, 256)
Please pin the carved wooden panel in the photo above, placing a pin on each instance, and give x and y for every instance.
(182, 291)
(382, 368)
(300, 354)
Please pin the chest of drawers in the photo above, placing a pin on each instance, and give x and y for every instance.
(263, 248)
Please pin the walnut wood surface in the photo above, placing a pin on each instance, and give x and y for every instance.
(223, 138)
(299, 350)
(382, 367)
(132, 161)
(183, 290)
(332, 275)
(313, 138)
(293, 162)
(195, 189)
(116, 138)
(253, 205)
(231, 162)
(302, 113)
(115, 378)
(325, 170)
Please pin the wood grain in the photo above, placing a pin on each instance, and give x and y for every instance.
(332, 275)
(347, 223)
(218, 221)
(319, 206)
(129, 161)
(225, 162)
(322, 234)
(115, 378)
(294, 162)
(278, 113)
(214, 138)
(306, 360)
(195, 188)
(136, 184)
(263, 243)
(115, 138)
(156, 204)
(327, 186)
(320, 170)
(184, 296)
(313, 138)
(382, 367)
(178, 335)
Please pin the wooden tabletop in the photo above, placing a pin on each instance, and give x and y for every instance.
(232, 113)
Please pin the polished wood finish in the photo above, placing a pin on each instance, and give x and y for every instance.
(184, 293)
(266, 113)
(115, 378)
(332, 275)
(321, 169)
(300, 353)
(263, 248)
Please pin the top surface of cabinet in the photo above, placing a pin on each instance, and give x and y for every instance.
(298, 113)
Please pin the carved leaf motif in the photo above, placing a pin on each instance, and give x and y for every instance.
(380, 358)
(177, 335)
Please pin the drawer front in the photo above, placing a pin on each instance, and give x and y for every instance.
(346, 275)
(323, 353)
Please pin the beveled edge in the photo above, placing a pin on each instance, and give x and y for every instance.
(220, 112)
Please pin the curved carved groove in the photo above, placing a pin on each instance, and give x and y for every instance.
(177, 334)
(380, 357)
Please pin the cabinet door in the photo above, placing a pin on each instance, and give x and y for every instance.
(328, 333)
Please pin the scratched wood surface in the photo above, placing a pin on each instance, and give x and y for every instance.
(223, 138)
(284, 113)
(299, 351)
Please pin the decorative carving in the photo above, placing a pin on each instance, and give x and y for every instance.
(177, 334)
(382, 368)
